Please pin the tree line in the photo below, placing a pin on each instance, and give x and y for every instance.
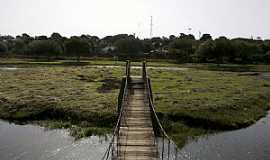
(184, 48)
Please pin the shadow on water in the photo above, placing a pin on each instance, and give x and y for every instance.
(30, 142)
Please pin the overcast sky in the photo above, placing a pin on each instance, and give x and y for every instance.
(231, 18)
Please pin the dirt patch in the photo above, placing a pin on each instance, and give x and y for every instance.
(109, 84)
(85, 78)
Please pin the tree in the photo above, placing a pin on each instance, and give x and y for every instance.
(47, 48)
(147, 45)
(205, 51)
(222, 48)
(19, 47)
(77, 47)
(3, 47)
(56, 37)
(182, 48)
(206, 37)
(41, 38)
(266, 57)
(172, 37)
(189, 36)
(157, 43)
(129, 46)
(26, 38)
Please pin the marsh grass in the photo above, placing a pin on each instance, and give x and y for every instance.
(69, 94)
(203, 99)
(197, 102)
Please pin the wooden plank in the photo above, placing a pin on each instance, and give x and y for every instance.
(136, 139)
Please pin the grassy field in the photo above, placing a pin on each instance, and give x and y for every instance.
(193, 100)
(82, 95)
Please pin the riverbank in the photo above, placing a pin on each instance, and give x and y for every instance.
(200, 99)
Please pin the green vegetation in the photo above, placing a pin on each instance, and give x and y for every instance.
(3, 47)
(74, 94)
(77, 47)
(183, 48)
(191, 99)
(44, 48)
(193, 102)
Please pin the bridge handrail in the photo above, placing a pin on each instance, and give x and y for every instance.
(116, 129)
(150, 97)
(152, 107)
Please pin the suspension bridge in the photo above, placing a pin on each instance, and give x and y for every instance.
(138, 133)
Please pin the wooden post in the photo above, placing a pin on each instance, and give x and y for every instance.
(144, 70)
(128, 69)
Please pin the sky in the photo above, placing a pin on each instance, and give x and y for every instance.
(230, 18)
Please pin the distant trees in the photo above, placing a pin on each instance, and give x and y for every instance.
(266, 57)
(19, 47)
(222, 49)
(44, 48)
(205, 51)
(184, 47)
(3, 47)
(56, 37)
(206, 37)
(76, 47)
(129, 46)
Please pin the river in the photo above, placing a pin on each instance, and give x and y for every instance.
(31, 142)
(252, 143)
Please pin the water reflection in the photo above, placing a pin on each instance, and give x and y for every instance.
(251, 143)
(29, 142)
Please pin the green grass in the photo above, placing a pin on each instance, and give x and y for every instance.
(203, 99)
(200, 101)
(68, 93)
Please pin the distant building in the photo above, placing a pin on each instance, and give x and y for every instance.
(109, 49)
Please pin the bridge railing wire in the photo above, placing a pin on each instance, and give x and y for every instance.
(167, 149)
(112, 151)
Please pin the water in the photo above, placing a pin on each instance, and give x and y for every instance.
(8, 68)
(30, 142)
(252, 143)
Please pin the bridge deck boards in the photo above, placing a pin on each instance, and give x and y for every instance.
(136, 140)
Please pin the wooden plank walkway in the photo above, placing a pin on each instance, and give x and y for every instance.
(136, 139)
